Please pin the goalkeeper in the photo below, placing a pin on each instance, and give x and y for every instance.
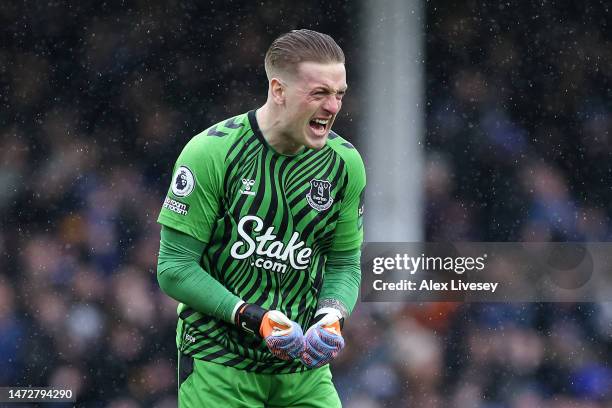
(261, 236)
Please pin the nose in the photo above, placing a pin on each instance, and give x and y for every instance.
(332, 104)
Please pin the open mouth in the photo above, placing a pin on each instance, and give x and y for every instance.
(319, 126)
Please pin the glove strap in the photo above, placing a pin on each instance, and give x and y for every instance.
(325, 311)
(249, 318)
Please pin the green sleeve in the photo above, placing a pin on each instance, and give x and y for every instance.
(348, 234)
(192, 204)
(342, 280)
(182, 278)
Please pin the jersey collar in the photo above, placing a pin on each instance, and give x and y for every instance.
(257, 131)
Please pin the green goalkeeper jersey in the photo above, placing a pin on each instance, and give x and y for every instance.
(268, 221)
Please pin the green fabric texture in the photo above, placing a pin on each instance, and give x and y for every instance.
(342, 278)
(216, 385)
(349, 230)
(181, 277)
(269, 222)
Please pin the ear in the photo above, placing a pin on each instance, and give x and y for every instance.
(277, 91)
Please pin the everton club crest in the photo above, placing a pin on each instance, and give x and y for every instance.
(319, 196)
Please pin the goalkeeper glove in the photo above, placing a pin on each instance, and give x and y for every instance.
(283, 337)
(323, 340)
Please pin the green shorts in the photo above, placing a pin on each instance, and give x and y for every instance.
(203, 384)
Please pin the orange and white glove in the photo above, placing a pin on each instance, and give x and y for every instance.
(284, 337)
(323, 340)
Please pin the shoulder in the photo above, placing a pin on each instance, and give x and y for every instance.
(217, 139)
(347, 152)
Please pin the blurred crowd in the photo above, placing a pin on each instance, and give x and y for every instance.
(98, 99)
(518, 149)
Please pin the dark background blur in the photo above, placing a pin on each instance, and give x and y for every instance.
(97, 100)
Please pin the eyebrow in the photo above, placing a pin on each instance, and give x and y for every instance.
(328, 89)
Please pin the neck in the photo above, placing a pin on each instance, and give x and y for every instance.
(273, 130)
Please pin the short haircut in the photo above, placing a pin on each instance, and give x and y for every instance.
(296, 46)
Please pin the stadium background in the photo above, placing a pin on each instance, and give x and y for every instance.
(98, 99)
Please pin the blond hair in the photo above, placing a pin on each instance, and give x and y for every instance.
(296, 46)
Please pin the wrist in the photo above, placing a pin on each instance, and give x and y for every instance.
(331, 306)
(235, 310)
(325, 311)
(248, 317)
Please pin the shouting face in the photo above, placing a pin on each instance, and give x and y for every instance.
(312, 100)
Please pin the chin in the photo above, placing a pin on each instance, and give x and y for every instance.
(316, 144)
